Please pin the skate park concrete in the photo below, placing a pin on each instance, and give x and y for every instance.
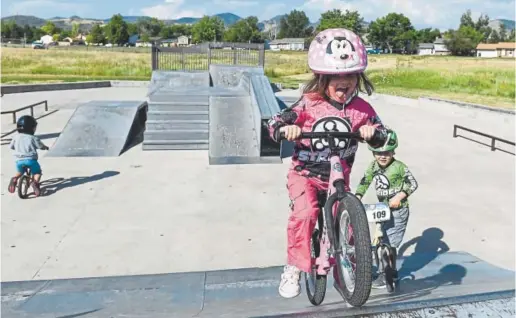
(170, 211)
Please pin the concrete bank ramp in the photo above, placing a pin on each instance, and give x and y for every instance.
(452, 284)
(100, 129)
(237, 122)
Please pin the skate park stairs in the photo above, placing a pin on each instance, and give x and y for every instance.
(223, 111)
(101, 129)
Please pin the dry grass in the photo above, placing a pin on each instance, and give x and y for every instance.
(487, 81)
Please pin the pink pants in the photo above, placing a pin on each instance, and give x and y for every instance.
(303, 217)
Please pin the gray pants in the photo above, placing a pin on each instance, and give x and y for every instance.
(394, 229)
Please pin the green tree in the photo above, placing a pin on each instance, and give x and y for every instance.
(295, 25)
(96, 35)
(512, 36)
(75, 30)
(208, 29)
(482, 26)
(389, 31)
(428, 35)
(244, 30)
(49, 28)
(11, 30)
(335, 18)
(462, 41)
(132, 28)
(116, 30)
(466, 20)
(503, 33)
(495, 37)
(149, 26)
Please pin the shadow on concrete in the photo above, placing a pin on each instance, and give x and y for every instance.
(51, 186)
(80, 314)
(488, 145)
(48, 136)
(428, 246)
(7, 141)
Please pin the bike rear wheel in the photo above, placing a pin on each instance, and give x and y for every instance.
(23, 186)
(315, 283)
(354, 261)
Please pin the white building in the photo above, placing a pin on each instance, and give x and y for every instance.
(46, 39)
(425, 49)
(183, 40)
(492, 50)
(440, 48)
(290, 44)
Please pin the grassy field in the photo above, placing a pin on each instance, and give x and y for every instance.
(481, 81)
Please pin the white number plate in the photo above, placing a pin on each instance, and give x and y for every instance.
(379, 212)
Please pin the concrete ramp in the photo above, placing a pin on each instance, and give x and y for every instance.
(167, 79)
(100, 129)
(453, 284)
(237, 133)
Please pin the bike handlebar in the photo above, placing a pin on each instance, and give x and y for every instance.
(327, 134)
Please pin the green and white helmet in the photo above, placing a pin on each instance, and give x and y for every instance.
(390, 144)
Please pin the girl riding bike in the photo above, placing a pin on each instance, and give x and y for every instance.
(330, 102)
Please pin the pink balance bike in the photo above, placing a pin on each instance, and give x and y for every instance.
(341, 238)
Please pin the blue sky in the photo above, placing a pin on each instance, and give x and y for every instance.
(436, 13)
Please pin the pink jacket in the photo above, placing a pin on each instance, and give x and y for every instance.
(313, 113)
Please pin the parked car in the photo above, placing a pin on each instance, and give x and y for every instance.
(374, 51)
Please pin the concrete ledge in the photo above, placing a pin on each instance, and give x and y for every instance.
(464, 104)
(118, 83)
(25, 88)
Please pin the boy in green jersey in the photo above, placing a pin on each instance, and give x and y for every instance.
(394, 183)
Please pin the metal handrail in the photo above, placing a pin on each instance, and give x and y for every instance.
(493, 138)
(25, 107)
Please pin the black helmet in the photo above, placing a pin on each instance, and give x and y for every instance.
(26, 124)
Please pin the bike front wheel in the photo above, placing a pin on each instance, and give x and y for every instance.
(23, 186)
(354, 261)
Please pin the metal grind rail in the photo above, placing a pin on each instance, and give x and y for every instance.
(493, 138)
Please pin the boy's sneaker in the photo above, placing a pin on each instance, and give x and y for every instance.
(35, 186)
(289, 285)
(379, 282)
(12, 184)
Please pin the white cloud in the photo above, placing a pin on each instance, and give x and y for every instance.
(172, 9)
(442, 14)
(235, 3)
(28, 7)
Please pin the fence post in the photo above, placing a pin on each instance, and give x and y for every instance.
(234, 56)
(209, 55)
(454, 131)
(153, 57)
(493, 144)
(183, 59)
(261, 59)
(14, 118)
(46, 106)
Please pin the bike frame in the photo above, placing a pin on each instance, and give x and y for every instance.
(336, 191)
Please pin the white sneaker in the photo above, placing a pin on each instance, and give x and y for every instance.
(289, 285)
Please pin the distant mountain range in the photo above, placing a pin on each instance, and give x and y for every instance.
(229, 18)
(87, 23)
(495, 24)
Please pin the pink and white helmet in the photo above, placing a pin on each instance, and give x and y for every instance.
(337, 51)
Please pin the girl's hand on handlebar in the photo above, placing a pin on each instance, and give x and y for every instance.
(366, 132)
(292, 132)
